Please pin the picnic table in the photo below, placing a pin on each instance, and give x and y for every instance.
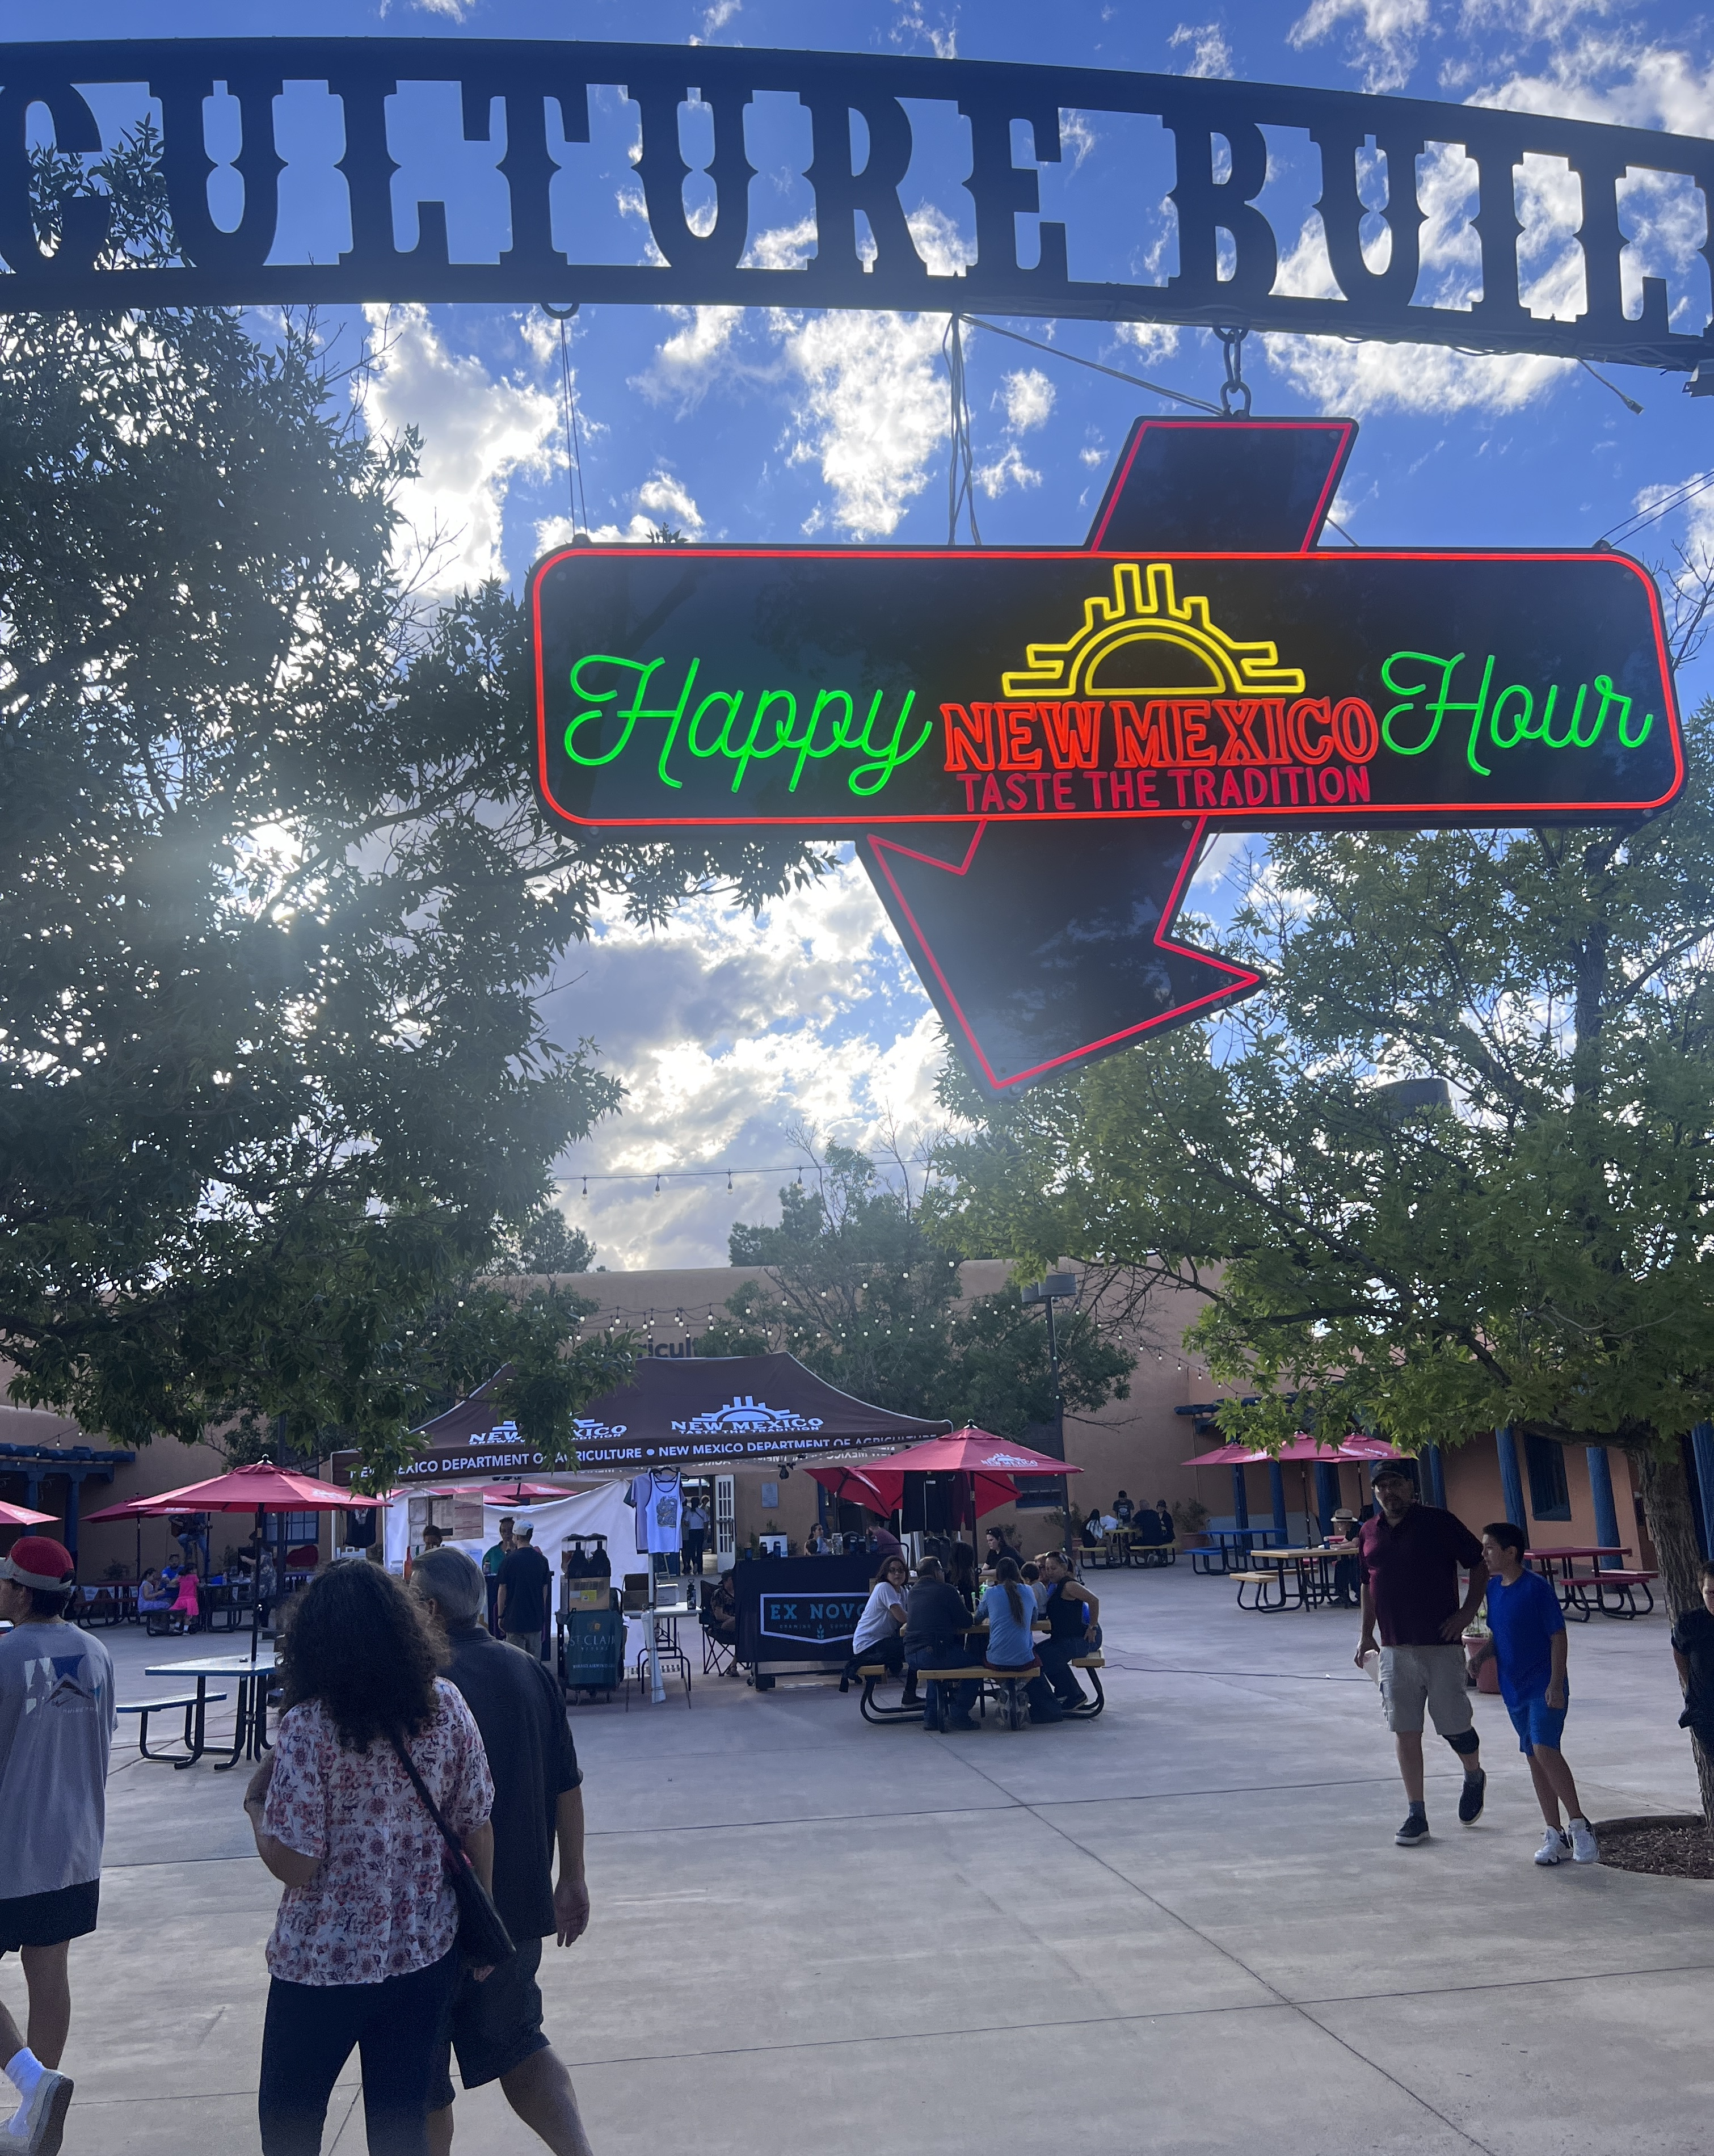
(991, 1683)
(1583, 1593)
(1240, 1542)
(249, 1736)
(1313, 1581)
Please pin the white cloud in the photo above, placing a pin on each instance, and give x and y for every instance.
(1028, 396)
(661, 499)
(477, 431)
(687, 366)
(728, 1034)
(874, 413)
(1360, 379)
(1077, 136)
(1209, 52)
(718, 16)
(1389, 33)
(1151, 341)
(1618, 76)
(948, 251)
(1007, 469)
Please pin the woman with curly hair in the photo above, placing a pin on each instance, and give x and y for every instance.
(362, 1949)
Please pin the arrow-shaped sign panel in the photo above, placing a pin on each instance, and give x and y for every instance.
(859, 691)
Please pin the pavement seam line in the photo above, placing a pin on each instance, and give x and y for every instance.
(1237, 1961)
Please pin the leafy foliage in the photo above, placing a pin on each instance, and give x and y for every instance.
(273, 1073)
(863, 1294)
(546, 1243)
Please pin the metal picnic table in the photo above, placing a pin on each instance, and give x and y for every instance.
(249, 1736)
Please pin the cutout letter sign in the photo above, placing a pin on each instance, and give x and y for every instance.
(1053, 731)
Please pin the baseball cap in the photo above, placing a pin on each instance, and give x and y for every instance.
(1400, 1468)
(37, 1561)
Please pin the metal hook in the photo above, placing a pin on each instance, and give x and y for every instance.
(1235, 387)
(559, 314)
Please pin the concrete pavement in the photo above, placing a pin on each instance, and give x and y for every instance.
(1184, 1927)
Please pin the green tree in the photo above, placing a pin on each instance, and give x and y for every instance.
(546, 1243)
(1535, 1253)
(279, 903)
(861, 1291)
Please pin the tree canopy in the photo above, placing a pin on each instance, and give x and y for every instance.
(1536, 1252)
(280, 904)
(863, 1293)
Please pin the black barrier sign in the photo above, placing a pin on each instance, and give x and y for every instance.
(279, 122)
(874, 688)
(809, 1619)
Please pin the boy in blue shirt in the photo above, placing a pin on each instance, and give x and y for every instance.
(1529, 1643)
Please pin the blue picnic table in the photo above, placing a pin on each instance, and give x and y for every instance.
(1230, 1542)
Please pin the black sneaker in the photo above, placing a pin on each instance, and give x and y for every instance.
(1415, 1830)
(1471, 1796)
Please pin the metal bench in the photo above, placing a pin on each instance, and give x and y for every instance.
(143, 1708)
(1261, 1582)
(1623, 1586)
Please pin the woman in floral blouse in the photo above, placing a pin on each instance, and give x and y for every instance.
(362, 1952)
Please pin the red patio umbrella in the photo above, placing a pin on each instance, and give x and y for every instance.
(20, 1516)
(993, 1465)
(869, 1485)
(524, 1493)
(260, 1488)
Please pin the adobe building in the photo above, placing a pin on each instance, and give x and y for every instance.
(1140, 1445)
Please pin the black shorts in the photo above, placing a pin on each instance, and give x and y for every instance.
(44, 1920)
(494, 2025)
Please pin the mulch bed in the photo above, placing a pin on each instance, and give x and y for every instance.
(1671, 1844)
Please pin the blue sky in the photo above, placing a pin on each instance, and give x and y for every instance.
(733, 1036)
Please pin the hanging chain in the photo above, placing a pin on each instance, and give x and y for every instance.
(961, 468)
(1235, 390)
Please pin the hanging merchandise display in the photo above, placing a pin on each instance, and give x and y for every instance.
(659, 1502)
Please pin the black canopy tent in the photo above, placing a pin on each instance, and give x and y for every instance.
(688, 1411)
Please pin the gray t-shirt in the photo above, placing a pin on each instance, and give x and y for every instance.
(57, 1712)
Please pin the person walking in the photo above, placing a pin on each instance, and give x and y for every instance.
(57, 1714)
(1407, 1560)
(524, 1580)
(1693, 1658)
(538, 1803)
(492, 1560)
(695, 1525)
(362, 1953)
(1527, 1640)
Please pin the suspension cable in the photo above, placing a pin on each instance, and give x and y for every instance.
(961, 468)
(574, 462)
(1094, 365)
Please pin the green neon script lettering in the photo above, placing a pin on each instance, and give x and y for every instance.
(805, 743)
(870, 778)
(1610, 694)
(1411, 690)
(630, 713)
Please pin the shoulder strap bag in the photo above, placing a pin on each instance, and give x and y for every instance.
(482, 1939)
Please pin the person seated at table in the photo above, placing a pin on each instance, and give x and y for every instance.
(816, 1543)
(1346, 1585)
(877, 1638)
(999, 1547)
(1093, 1530)
(720, 1610)
(1146, 1528)
(1124, 1512)
(961, 1575)
(151, 1594)
(1073, 1615)
(884, 1541)
(935, 1619)
(1163, 1513)
(1030, 1572)
(1008, 1608)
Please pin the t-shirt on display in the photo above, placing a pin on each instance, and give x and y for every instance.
(660, 1502)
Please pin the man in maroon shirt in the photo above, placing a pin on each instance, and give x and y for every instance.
(1408, 1556)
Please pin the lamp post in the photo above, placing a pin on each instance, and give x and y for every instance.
(1056, 1288)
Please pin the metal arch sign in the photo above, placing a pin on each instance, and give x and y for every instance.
(526, 103)
(1031, 745)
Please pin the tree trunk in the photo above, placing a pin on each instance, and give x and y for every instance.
(1672, 1526)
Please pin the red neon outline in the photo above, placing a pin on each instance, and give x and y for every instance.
(1431, 812)
(1243, 980)
(1345, 429)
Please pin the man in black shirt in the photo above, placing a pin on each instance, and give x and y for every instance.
(1693, 1652)
(538, 1799)
(524, 1579)
(934, 1621)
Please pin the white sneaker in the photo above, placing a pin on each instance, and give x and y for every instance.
(38, 2126)
(1584, 1848)
(1552, 1848)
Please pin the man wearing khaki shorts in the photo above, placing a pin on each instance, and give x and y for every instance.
(1408, 1556)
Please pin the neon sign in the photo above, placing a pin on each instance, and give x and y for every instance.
(694, 687)
(1031, 746)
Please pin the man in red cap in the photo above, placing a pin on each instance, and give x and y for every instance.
(56, 1729)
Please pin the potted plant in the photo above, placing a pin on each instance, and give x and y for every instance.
(1190, 1517)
